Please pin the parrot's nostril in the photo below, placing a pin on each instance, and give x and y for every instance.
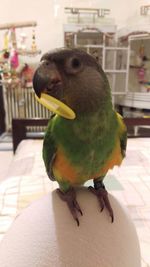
(54, 85)
(56, 81)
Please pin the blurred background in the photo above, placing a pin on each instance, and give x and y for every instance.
(117, 34)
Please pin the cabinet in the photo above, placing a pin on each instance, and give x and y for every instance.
(136, 36)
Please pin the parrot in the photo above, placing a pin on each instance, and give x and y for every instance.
(91, 142)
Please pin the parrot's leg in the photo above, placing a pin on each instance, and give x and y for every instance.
(70, 198)
(102, 195)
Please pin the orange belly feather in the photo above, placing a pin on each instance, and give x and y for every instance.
(64, 171)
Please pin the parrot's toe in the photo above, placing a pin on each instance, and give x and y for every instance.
(103, 200)
(70, 198)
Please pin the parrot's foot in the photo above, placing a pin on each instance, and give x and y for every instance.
(70, 198)
(102, 195)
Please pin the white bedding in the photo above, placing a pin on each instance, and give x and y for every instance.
(26, 181)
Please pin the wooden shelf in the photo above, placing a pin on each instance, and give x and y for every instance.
(28, 52)
(18, 25)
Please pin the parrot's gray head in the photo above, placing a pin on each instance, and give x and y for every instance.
(73, 77)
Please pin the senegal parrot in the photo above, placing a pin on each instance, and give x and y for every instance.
(86, 137)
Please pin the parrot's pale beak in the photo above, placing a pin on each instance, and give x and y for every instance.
(56, 106)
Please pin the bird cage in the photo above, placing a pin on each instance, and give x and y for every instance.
(18, 96)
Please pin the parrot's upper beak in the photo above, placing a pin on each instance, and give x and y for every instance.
(47, 80)
(48, 88)
(38, 84)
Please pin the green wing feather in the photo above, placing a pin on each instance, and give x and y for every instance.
(123, 143)
(49, 149)
(122, 135)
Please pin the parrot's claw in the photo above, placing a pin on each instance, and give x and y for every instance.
(103, 199)
(70, 198)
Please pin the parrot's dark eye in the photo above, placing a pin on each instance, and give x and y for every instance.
(74, 65)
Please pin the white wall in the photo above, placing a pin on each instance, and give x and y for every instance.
(50, 27)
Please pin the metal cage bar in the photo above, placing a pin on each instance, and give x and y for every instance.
(21, 103)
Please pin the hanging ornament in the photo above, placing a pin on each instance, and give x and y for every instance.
(14, 60)
(33, 46)
(22, 41)
(6, 70)
(13, 38)
(6, 40)
(6, 46)
(6, 54)
(26, 76)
